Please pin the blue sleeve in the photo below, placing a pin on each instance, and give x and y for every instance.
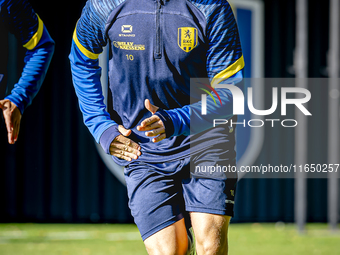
(88, 41)
(31, 32)
(224, 65)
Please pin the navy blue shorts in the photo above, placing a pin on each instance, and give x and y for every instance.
(161, 194)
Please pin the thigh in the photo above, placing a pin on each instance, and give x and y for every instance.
(210, 202)
(170, 240)
(212, 186)
(156, 200)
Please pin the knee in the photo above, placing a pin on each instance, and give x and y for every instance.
(171, 240)
(212, 246)
(211, 232)
(167, 246)
(166, 250)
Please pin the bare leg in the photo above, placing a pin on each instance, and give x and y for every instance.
(172, 240)
(211, 233)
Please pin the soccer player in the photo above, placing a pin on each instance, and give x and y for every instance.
(21, 20)
(157, 130)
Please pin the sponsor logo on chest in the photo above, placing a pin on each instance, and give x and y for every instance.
(126, 31)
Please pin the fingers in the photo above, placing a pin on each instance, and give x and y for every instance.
(124, 148)
(159, 132)
(13, 132)
(124, 153)
(126, 141)
(9, 125)
(12, 118)
(16, 131)
(10, 135)
(150, 107)
(155, 127)
(155, 132)
(152, 124)
(149, 121)
(124, 131)
(6, 110)
(159, 138)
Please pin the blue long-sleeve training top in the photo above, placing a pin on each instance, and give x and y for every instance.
(25, 24)
(156, 47)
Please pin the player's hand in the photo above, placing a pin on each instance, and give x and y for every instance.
(12, 116)
(123, 147)
(153, 125)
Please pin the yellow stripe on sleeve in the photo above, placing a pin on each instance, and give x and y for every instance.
(30, 45)
(228, 72)
(85, 51)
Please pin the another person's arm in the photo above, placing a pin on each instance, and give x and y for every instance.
(33, 35)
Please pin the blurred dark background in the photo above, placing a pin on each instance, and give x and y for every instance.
(54, 173)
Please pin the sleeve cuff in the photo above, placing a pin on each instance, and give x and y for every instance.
(18, 102)
(167, 121)
(107, 137)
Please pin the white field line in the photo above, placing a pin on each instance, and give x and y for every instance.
(124, 236)
(70, 235)
(15, 234)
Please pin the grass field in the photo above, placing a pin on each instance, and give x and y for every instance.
(100, 239)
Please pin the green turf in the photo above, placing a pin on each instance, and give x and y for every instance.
(282, 239)
(97, 239)
(70, 239)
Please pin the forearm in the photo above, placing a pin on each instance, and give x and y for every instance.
(86, 80)
(37, 61)
(189, 120)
